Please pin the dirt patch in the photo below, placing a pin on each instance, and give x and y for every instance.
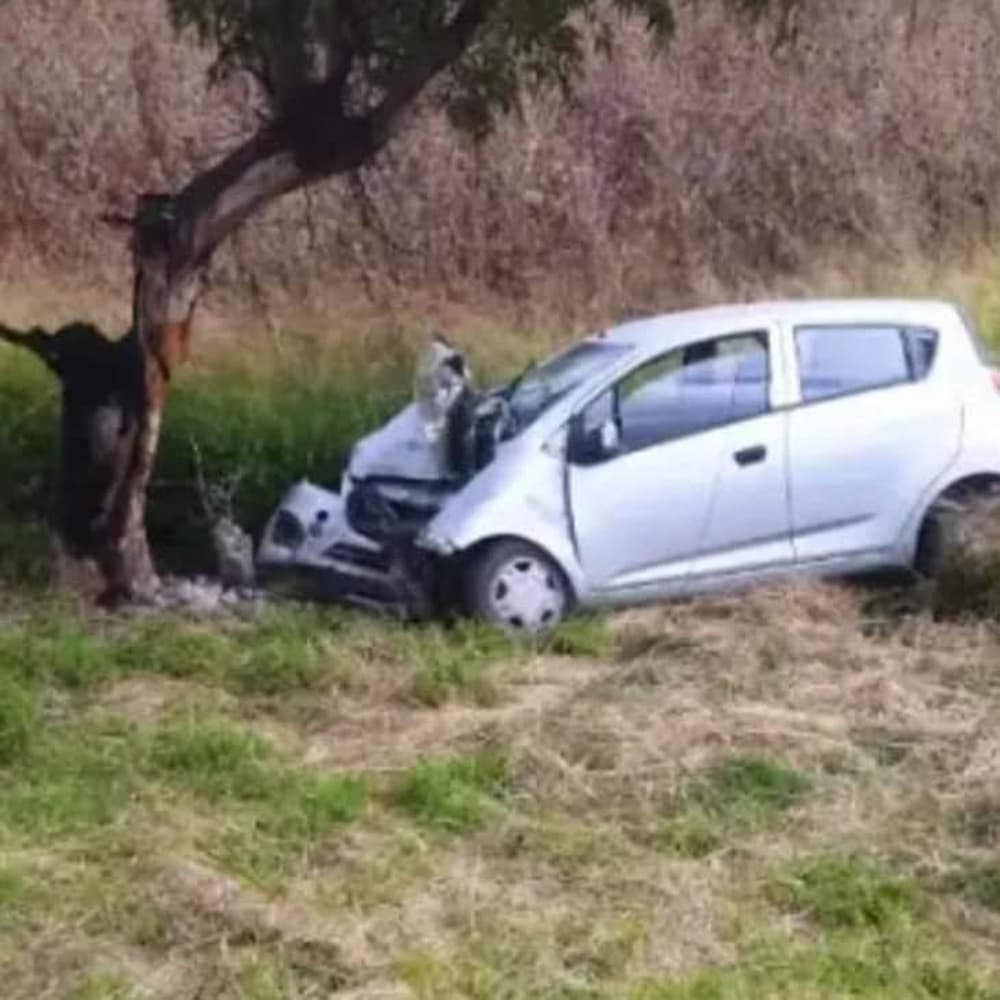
(144, 699)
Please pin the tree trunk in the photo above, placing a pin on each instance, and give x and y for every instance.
(100, 554)
(114, 392)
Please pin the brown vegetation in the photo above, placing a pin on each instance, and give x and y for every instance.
(700, 174)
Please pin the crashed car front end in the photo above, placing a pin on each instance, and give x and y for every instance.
(361, 545)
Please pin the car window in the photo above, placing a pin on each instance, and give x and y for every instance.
(840, 360)
(921, 347)
(686, 391)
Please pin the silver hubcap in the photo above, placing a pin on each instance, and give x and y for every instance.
(526, 595)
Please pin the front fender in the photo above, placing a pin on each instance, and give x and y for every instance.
(521, 495)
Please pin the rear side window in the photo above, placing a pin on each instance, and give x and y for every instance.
(921, 347)
(841, 360)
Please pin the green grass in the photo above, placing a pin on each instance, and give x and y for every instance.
(735, 796)
(280, 814)
(978, 882)
(74, 779)
(455, 794)
(846, 968)
(219, 762)
(849, 893)
(18, 720)
(474, 848)
(879, 936)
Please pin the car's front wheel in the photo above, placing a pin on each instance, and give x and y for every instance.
(517, 587)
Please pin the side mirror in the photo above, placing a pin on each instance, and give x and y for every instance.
(588, 446)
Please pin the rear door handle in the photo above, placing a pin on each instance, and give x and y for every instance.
(751, 456)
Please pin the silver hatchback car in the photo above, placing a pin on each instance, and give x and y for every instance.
(668, 456)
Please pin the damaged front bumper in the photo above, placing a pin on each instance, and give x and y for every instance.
(370, 543)
(359, 546)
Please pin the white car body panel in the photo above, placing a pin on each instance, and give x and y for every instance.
(749, 524)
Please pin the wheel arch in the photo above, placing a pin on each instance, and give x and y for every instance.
(974, 484)
(926, 539)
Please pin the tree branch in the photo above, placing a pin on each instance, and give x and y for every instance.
(314, 139)
(221, 198)
(442, 52)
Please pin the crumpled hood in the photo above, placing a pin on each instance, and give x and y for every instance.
(399, 448)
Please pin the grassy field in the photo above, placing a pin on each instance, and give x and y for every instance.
(791, 795)
(787, 795)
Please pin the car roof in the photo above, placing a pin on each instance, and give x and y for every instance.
(681, 327)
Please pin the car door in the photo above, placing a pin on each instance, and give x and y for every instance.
(689, 474)
(873, 429)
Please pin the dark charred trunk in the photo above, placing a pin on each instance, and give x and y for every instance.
(113, 395)
(102, 549)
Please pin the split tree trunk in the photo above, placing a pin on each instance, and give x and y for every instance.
(113, 395)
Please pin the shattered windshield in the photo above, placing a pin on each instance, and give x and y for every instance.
(540, 386)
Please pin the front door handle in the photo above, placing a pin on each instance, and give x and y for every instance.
(751, 456)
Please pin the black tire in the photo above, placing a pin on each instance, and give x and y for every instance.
(958, 553)
(940, 537)
(958, 522)
(493, 593)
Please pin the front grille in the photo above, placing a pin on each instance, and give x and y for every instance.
(353, 555)
(372, 512)
(417, 513)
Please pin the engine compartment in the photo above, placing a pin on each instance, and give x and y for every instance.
(399, 477)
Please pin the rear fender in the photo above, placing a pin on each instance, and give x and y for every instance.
(966, 479)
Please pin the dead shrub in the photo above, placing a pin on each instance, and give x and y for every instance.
(709, 171)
